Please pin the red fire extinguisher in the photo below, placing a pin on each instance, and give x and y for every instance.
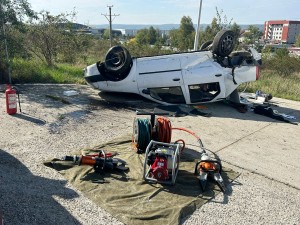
(11, 100)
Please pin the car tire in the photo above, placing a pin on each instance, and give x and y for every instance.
(223, 43)
(205, 45)
(117, 63)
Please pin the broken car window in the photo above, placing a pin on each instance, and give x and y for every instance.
(172, 95)
(204, 92)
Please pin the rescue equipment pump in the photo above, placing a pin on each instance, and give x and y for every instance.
(161, 162)
(162, 158)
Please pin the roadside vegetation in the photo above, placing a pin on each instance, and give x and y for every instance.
(280, 75)
(48, 49)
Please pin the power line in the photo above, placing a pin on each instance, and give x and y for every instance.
(109, 18)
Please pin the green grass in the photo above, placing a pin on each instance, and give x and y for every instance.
(24, 71)
(282, 87)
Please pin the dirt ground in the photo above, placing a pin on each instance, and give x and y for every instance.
(264, 151)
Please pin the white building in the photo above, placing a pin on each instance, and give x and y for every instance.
(282, 31)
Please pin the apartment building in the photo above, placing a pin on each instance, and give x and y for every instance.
(281, 31)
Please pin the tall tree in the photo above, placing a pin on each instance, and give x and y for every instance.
(183, 38)
(237, 31)
(147, 36)
(253, 34)
(15, 11)
(142, 37)
(186, 33)
(153, 35)
(210, 31)
(12, 14)
(52, 39)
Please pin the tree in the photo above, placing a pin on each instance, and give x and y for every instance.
(153, 35)
(12, 14)
(142, 37)
(147, 36)
(183, 38)
(219, 22)
(106, 34)
(210, 31)
(222, 20)
(52, 39)
(15, 11)
(237, 31)
(252, 35)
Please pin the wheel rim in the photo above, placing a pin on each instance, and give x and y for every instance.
(227, 44)
(116, 59)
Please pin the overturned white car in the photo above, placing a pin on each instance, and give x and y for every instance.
(211, 74)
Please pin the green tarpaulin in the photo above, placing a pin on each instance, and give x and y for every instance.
(129, 198)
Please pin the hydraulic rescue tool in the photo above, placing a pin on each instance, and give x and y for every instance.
(161, 162)
(100, 162)
(208, 167)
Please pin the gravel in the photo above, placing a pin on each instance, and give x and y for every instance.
(31, 193)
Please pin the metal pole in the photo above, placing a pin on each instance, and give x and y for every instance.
(198, 29)
(110, 26)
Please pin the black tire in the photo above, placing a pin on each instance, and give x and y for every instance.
(205, 45)
(117, 63)
(223, 43)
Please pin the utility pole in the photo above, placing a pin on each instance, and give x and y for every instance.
(198, 29)
(108, 17)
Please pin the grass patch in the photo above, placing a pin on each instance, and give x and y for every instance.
(24, 71)
(282, 87)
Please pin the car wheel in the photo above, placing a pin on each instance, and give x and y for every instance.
(117, 63)
(205, 45)
(223, 43)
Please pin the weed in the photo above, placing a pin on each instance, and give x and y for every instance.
(32, 71)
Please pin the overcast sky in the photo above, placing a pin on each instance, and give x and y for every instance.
(171, 11)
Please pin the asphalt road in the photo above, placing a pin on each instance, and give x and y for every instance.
(264, 151)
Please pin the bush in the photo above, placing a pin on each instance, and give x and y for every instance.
(281, 63)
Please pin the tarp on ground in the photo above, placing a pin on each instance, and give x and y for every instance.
(129, 198)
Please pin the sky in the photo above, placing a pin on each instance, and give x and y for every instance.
(90, 12)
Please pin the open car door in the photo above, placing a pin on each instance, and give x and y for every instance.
(204, 83)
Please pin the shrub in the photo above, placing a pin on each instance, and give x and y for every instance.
(281, 62)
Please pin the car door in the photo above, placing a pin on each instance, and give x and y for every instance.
(204, 82)
(160, 79)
